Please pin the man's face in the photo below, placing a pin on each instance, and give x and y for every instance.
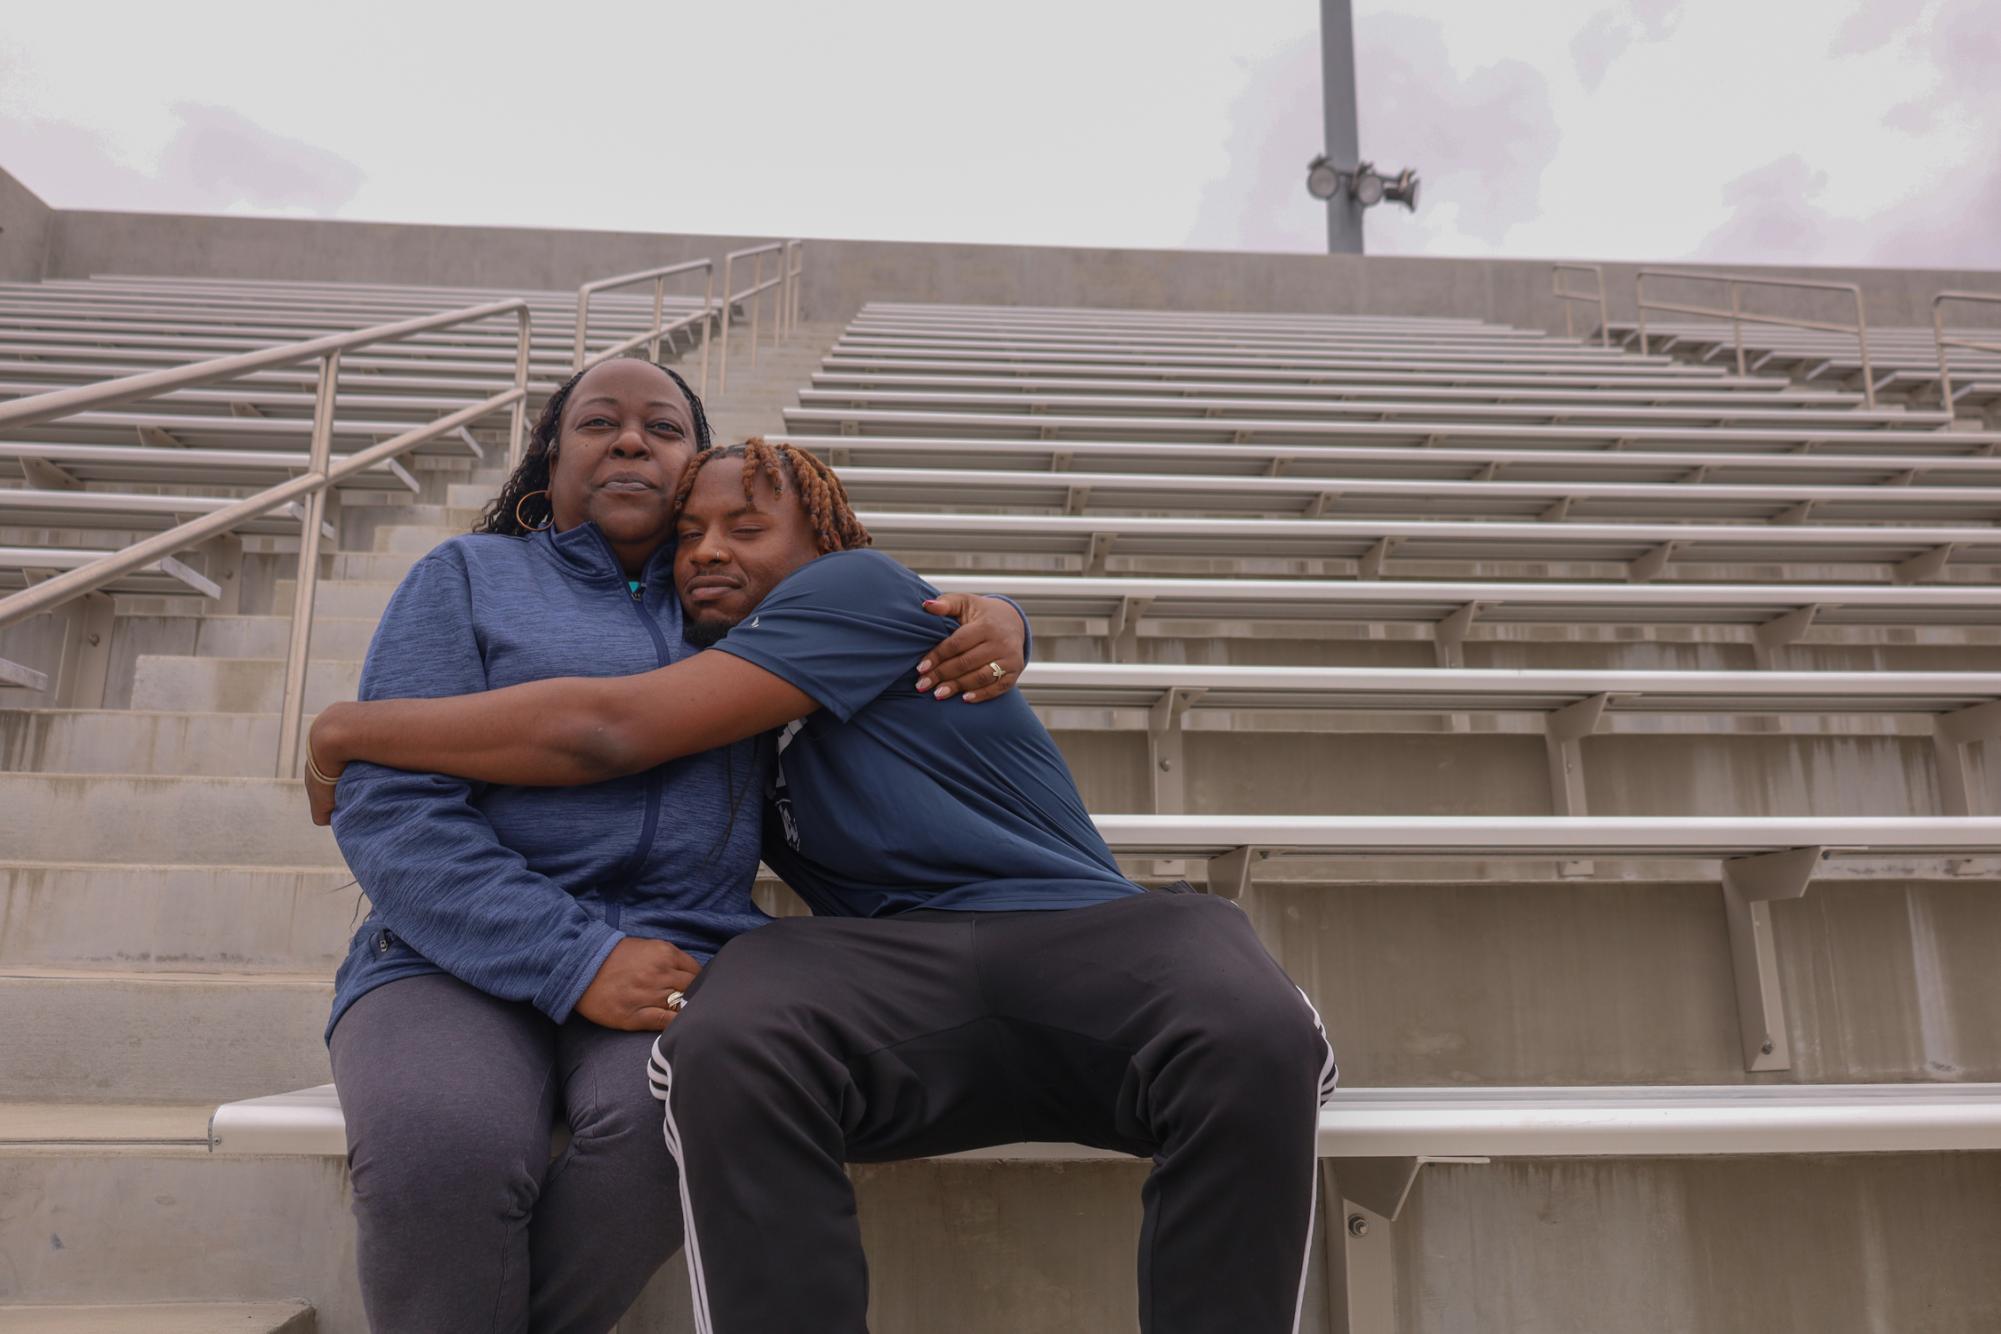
(626, 433)
(732, 551)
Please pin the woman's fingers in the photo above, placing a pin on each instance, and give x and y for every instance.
(320, 799)
(649, 1019)
(971, 672)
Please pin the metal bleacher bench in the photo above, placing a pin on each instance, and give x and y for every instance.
(1769, 617)
(867, 405)
(1373, 1143)
(1912, 553)
(1073, 492)
(1634, 432)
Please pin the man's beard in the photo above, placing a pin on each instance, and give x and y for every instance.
(706, 634)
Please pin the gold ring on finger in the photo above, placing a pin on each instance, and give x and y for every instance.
(998, 670)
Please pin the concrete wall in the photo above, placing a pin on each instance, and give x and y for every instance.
(24, 231)
(840, 275)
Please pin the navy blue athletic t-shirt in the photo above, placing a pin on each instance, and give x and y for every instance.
(886, 799)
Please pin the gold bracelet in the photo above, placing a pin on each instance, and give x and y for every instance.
(313, 767)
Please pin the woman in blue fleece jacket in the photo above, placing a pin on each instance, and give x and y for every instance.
(523, 944)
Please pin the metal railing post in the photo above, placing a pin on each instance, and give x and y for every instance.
(1938, 342)
(759, 285)
(798, 280)
(659, 301)
(1734, 284)
(723, 371)
(756, 300)
(708, 319)
(1640, 301)
(298, 651)
(1941, 340)
(517, 426)
(1737, 324)
(1862, 343)
(657, 328)
(1567, 297)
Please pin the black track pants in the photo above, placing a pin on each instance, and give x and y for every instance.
(1155, 1025)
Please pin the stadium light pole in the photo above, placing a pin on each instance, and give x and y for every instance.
(1343, 139)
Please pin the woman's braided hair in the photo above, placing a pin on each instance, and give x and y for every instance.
(504, 514)
(825, 500)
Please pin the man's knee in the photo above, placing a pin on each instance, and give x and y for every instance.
(1262, 1043)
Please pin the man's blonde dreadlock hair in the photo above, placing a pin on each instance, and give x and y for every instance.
(825, 500)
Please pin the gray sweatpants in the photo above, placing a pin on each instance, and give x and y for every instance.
(466, 1221)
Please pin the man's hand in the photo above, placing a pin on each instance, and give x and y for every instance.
(990, 631)
(631, 988)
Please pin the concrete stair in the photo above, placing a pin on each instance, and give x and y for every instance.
(162, 1318)
(169, 928)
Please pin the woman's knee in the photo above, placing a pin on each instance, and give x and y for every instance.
(449, 1156)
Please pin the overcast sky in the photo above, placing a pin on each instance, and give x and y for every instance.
(1804, 131)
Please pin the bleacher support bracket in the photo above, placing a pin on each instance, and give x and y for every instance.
(1358, 1249)
(1749, 886)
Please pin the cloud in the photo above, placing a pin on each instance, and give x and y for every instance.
(1597, 44)
(229, 159)
(1610, 32)
(1480, 141)
(215, 161)
(1773, 214)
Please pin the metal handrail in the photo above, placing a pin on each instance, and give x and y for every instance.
(780, 286)
(1567, 296)
(1737, 315)
(658, 277)
(311, 486)
(1943, 341)
(795, 272)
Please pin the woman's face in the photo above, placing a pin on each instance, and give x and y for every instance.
(626, 433)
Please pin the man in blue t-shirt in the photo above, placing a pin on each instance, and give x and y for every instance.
(978, 971)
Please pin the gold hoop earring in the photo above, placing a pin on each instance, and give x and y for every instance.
(533, 527)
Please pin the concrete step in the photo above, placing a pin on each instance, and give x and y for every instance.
(124, 741)
(152, 821)
(179, 684)
(390, 566)
(115, 1035)
(413, 539)
(164, 1223)
(270, 636)
(98, 915)
(471, 496)
(421, 532)
(162, 1318)
(341, 597)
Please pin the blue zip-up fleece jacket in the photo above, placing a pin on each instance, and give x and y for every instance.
(522, 892)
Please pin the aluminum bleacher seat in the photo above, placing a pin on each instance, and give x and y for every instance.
(1640, 431)
(1321, 496)
(863, 403)
(54, 464)
(22, 567)
(1088, 542)
(24, 508)
(1040, 387)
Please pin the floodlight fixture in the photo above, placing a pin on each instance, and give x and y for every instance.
(1323, 181)
(1364, 186)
